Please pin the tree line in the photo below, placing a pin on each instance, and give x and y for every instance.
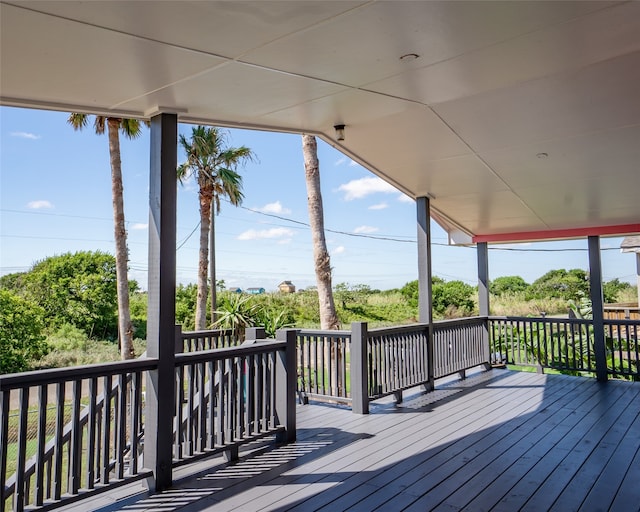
(80, 290)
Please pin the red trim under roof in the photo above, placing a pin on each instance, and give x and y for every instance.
(558, 234)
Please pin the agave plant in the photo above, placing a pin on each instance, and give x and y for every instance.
(236, 312)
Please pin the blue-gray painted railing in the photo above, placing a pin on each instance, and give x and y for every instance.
(73, 431)
(459, 345)
(565, 344)
(393, 358)
(67, 434)
(322, 361)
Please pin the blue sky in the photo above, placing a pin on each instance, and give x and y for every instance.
(55, 197)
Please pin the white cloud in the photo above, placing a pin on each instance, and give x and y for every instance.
(25, 135)
(40, 204)
(139, 225)
(344, 160)
(276, 208)
(365, 229)
(405, 199)
(379, 206)
(338, 250)
(254, 234)
(357, 189)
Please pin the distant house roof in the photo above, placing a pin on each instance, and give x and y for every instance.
(286, 282)
(631, 244)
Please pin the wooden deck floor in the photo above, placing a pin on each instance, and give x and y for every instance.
(499, 440)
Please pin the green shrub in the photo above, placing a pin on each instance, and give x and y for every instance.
(453, 294)
(78, 289)
(507, 284)
(21, 333)
(67, 337)
(561, 284)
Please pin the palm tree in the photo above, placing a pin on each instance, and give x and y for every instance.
(322, 263)
(214, 165)
(131, 128)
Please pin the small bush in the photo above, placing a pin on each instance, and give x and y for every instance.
(67, 337)
(21, 337)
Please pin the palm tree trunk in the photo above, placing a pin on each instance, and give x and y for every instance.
(212, 265)
(203, 259)
(322, 263)
(125, 328)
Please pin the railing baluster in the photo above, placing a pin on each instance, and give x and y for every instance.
(59, 447)
(106, 429)
(19, 494)
(91, 433)
(202, 408)
(134, 426)
(42, 439)
(211, 442)
(220, 423)
(75, 444)
(5, 400)
(178, 428)
(121, 439)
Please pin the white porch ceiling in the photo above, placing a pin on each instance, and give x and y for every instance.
(495, 85)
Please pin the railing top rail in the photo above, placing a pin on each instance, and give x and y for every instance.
(541, 319)
(56, 375)
(621, 321)
(204, 334)
(219, 354)
(460, 321)
(381, 331)
(320, 332)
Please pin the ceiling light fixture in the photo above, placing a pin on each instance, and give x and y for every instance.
(339, 128)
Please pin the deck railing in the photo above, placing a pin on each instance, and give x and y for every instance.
(565, 344)
(193, 341)
(227, 397)
(66, 434)
(323, 359)
(362, 365)
(81, 431)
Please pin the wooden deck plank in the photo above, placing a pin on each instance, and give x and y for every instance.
(524, 461)
(628, 495)
(613, 474)
(364, 459)
(545, 474)
(414, 468)
(599, 452)
(431, 462)
(574, 448)
(377, 425)
(466, 481)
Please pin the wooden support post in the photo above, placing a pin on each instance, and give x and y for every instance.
(482, 250)
(179, 343)
(286, 376)
(425, 299)
(597, 307)
(161, 331)
(359, 368)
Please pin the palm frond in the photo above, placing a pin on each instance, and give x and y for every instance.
(77, 120)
